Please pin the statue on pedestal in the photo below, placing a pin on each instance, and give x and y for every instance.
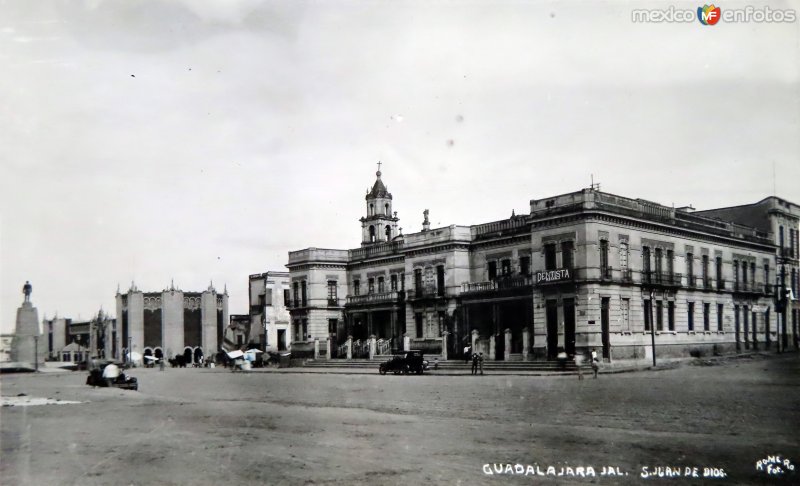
(27, 289)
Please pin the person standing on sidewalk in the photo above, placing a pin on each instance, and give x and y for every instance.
(578, 363)
(595, 363)
(474, 363)
(480, 362)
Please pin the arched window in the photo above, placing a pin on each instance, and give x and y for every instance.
(372, 234)
(388, 233)
(372, 210)
(386, 209)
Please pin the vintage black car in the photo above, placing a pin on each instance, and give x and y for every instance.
(405, 363)
(123, 381)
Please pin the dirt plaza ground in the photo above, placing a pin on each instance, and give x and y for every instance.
(203, 426)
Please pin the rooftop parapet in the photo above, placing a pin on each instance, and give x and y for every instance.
(310, 255)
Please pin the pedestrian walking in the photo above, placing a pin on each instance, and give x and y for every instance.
(578, 363)
(474, 363)
(480, 362)
(595, 363)
(467, 355)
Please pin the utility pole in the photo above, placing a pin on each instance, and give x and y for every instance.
(130, 351)
(652, 327)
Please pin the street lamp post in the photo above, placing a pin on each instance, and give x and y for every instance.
(652, 327)
(130, 351)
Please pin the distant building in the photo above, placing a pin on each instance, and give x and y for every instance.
(172, 322)
(269, 315)
(238, 333)
(74, 340)
(5, 347)
(580, 271)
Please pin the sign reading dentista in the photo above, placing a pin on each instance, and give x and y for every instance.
(559, 275)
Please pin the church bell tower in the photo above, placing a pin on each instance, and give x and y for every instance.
(380, 223)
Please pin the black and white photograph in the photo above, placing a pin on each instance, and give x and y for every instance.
(374, 242)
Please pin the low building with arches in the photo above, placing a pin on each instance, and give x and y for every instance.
(171, 322)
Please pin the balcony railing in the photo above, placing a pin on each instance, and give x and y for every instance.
(786, 252)
(500, 283)
(606, 273)
(662, 278)
(379, 298)
(627, 275)
(721, 284)
(691, 281)
(333, 302)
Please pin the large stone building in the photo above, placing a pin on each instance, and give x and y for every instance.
(781, 218)
(582, 270)
(172, 322)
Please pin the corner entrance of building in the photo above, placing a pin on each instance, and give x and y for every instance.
(552, 329)
(604, 331)
(569, 326)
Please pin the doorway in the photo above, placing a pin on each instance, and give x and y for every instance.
(604, 331)
(569, 326)
(552, 329)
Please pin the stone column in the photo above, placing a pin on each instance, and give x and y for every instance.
(330, 348)
(474, 340)
(444, 345)
(372, 347)
(491, 347)
(406, 342)
(507, 352)
(349, 347)
(316, 348)
(525, 344)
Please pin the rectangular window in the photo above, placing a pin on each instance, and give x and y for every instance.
(525, 265)
(720, 282)
(766, 277)
(566, 254)
(659, 315)
(440, 280)
(303, 293)
(623, 255)
(603, 257)
(402, 281)
(550, 256)
(704, 270)
(268, 297)
(780, 236)
(690, 269)
(659, 264)
(296, 296)
(706, 317)
(418, 281)
(720, 310)
(625, 310)
(690, 322)
(671, 315)
(670, 264)
(753, 275)
(505, 266)
(393, 282)
(356, 287)
(286, 297)
(744, 275)
(746, 326)
(418, 324)
(332, 325)
(371, 286)
(646, 314)
(381, 285)
(646, 264)
(333, 298)
(492, 270)
(736, 275)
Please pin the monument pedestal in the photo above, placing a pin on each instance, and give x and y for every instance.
(23, 346)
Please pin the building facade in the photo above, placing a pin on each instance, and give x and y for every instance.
(585, 270)
(172, 322)
(782, 219)
(75, 340)
(269, 295)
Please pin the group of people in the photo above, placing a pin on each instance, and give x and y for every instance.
(477, 361)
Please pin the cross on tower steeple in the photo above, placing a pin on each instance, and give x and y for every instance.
(379, 165)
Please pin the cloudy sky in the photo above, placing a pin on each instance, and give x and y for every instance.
(199, 140)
